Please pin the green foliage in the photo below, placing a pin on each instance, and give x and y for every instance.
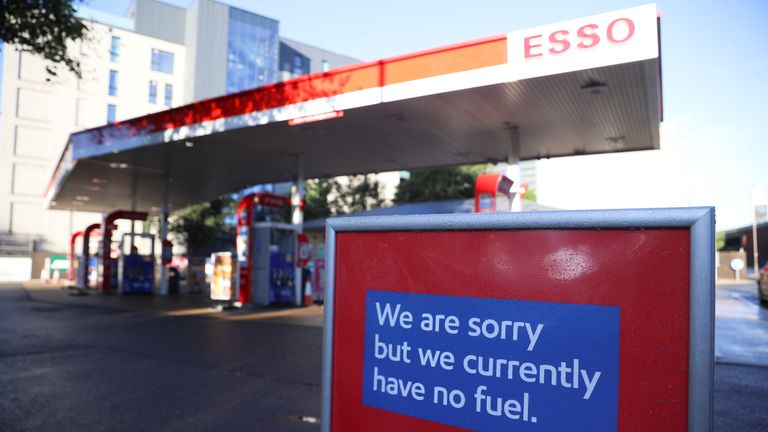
(476, 169)
(201, 225)
(316, 198)
(719, 241)
(530, 195)
(341, 195)
(358, 193)
(439, 184)
(42, 27)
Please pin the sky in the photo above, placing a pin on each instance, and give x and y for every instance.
(715, 83)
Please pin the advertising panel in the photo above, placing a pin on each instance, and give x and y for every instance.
(196, 282)
(222, 287)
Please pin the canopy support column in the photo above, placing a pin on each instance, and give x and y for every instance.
(297, 198)
(164, 236)
(86, 254)
(513, 168)
(297, 204)
(134, 198)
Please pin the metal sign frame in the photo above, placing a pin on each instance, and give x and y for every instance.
(700, 222)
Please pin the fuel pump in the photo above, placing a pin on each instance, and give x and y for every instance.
(266, 249)
(81, 266)
(495, 192)
(90, 265)
(75, 260)
(136, 264)
(109, 258)
(167, 252)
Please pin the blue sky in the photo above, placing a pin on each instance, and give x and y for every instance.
(714, 54)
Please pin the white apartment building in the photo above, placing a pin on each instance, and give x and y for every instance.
(124, 75)
(157, 56)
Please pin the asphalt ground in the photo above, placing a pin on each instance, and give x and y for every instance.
(85, 368)
(741, 326)
(68, 364)
(741, 354)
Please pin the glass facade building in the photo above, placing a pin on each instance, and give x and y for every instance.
(252, 50)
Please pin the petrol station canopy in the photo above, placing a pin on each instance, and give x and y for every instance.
(579, 87)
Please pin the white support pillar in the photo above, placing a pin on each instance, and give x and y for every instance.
(102, 260)
(74, 260)
(297, 218)
(513, 168)
(134, 199)
(755, 255)
(759, 198)
(164, 236)
(297, 195)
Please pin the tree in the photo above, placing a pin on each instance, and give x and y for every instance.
(42, 27)
(439, 184)
(530, 195)
(200, 226)
(316, 203)
(719, 240)
(355, 194)
(341, 195)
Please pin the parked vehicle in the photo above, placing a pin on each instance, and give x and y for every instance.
(762, 285)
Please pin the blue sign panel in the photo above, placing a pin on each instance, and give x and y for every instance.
(491, 364)
(281, 279)
(138, 274)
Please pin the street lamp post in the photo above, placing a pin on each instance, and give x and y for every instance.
(754, 242)
(758, 199)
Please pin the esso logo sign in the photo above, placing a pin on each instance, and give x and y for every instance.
(588, 36)
(608, 39)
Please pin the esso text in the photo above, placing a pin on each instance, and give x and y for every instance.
(587, 36)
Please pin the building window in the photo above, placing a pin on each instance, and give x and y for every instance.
(324, 65)
(113, 83)
(111, 113)
(162, 61)
(114, 50)
(168, 95)
(292, 62)
(153, 92)
(298, 65)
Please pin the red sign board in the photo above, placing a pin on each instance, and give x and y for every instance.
(537, 321)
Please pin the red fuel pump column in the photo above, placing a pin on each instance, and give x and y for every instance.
(106, 230)
(91, 229)
(495, 192)
(71, 273)
(244, 215)
(167, 252)
(303, 255)
(244, 238)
